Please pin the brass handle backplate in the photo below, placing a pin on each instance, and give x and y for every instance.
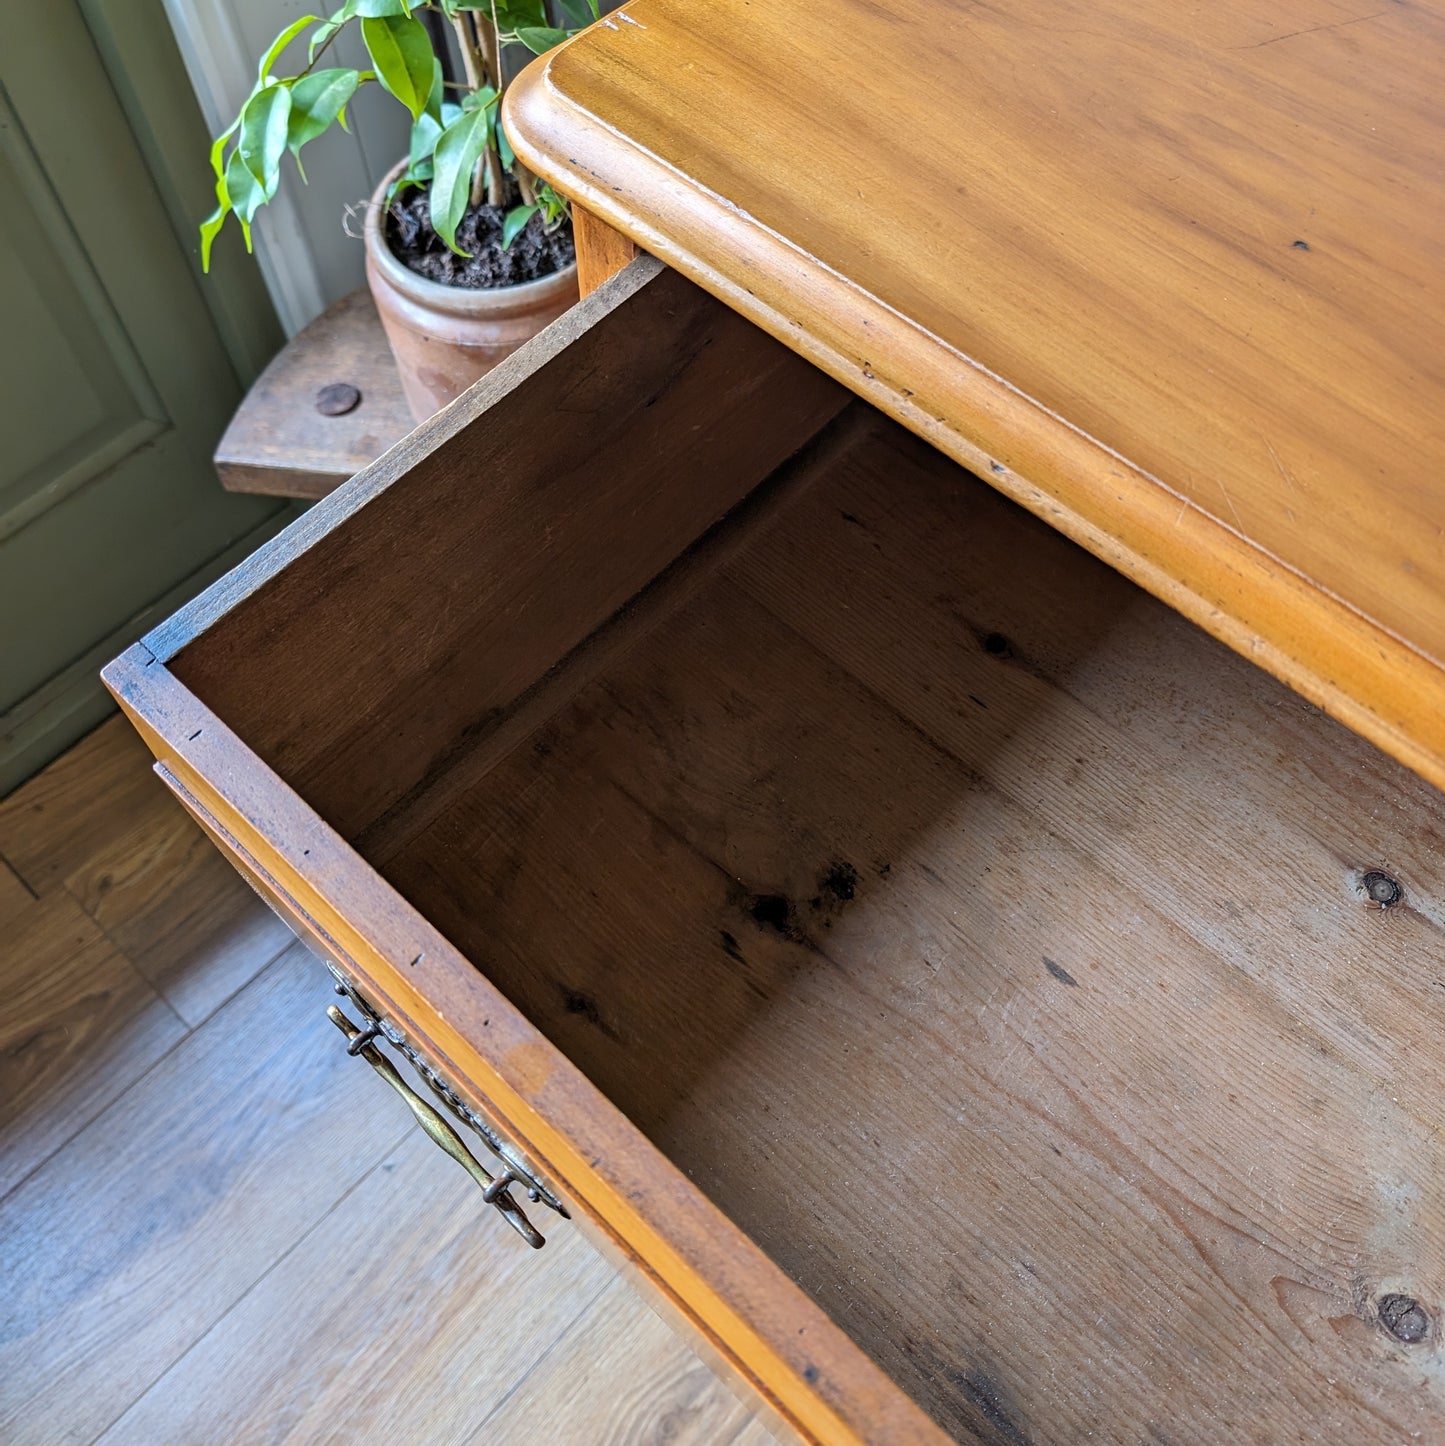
(496, 1190)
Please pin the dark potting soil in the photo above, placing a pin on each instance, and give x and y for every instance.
(531, 256)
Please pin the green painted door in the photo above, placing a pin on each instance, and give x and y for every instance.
(118, 368)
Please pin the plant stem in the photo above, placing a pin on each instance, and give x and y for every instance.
(471, 60)
(491, 50)
(526, 182)
(472, 64)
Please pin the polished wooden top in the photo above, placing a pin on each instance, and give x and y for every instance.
(1171, 274)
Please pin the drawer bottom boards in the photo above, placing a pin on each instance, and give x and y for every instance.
(1051, 995)
(995, 949)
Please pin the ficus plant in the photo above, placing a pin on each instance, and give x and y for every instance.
(459, 148)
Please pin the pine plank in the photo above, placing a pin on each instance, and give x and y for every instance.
(601, 251)
(575, 517)
(621, 1378)
(991, 946)
(280, 445)
(80, 1025)
(136, 1238)
(407, 1313)
(98, 824)
(1167, 275)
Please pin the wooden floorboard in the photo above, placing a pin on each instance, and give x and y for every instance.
(79, 1026)
(331, 1340)
(216, 1227)
(100, 827)
(571, 1396)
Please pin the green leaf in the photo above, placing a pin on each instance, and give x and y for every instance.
(513, 14)
(316, 101)
(479, 98)
(505, 153)
(426, 131)
(213, 223)
(263, 138)
(218, 148)
(436, 96)
(554, 205)
(246, 193)
(321, 94)
(457, 153)
(400, 48)
(209, 228)
(517, 219)
(417, 175)
(356, 10)
(541, 38)
(282, 41)
(362, 76)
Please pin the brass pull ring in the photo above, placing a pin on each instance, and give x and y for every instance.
(495, 1190)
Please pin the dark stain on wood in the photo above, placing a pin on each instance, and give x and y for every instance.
(773, 911)
(584, 1006)
(987, 1395)
(1060, 973)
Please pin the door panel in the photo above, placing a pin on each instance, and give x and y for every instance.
(67, 358)
(114, 380)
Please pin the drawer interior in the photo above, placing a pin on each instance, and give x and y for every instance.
(989, 943)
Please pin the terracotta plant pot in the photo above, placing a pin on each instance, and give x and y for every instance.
(445, 337)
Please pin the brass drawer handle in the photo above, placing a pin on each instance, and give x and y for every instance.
(495, 1190)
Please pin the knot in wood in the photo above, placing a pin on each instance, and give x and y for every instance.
(1382, 889)
(1403, 1317)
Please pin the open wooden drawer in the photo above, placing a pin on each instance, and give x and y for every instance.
(965, 990)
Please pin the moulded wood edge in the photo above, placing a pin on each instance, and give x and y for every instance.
(1364, 676)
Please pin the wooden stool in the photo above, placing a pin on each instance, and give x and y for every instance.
(328, 404)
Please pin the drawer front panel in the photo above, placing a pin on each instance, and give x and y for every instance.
(374, 1029)
(320, 707)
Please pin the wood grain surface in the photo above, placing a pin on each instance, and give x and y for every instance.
(579, 469)
(993, 947)
(1170, 276)
(81, 1025)
(572, 1390)
(97, 828)
(601, 251)
(918, 941)
(280, 444)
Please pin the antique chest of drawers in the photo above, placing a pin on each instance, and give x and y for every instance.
(978, 1001)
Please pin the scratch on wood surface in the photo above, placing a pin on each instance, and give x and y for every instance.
(1283, 470)
(1311, 30)
(1229, 502)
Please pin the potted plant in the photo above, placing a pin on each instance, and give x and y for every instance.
(468, 254)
